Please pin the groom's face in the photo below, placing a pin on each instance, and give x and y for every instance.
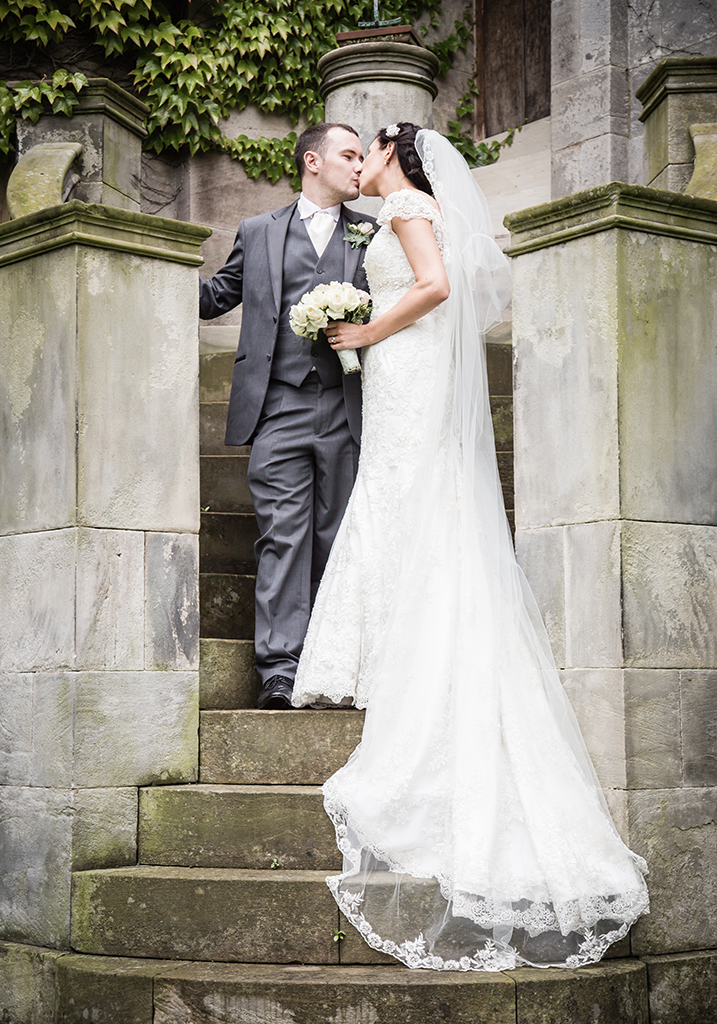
(339, 166)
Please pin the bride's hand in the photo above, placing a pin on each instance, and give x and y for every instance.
(342, 335)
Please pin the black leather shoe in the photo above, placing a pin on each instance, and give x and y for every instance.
(275, 694)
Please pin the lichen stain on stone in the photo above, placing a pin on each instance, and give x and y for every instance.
(24, 350)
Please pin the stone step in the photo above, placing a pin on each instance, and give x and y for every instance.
(133, 991)
(227, 674)
(223, 485)
(292, 748)
(226, 542)
(260, 827)
(226, 606)
(212, 427)
(225, 914)
(215, 376)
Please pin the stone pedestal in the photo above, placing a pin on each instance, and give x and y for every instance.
(615, 330)
(108, 122)
(369, 85)
(680, 92)
(99, 514)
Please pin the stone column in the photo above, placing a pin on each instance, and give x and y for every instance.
(615, 331)
(99, 515)
(589, 93)
(369, 85)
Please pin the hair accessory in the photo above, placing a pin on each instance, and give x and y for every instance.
(392, 130)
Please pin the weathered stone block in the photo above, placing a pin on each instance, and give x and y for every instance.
(104, 828)
(137, 346)
(698, 701)
(591, 105)
(566, 345)
(669, 585)
(667, 379)
(15, 728)
(653, 742)
(215, 993)
(593, 627)
(221, 914)
(105, 990)
(675, 830)
(565, 34)
(682, 988)
(53, 720)
(135, 728)
(27, 983)
(110, 606)
(171, 609)
(35, 855)
(269, 747)
(598, 700)
(37, 601)
(613, 990)
(261, 827)
(221, 195)
(541, 555)
(37, 352)
(227, 674)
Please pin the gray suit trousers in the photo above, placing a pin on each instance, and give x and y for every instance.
(301, 471)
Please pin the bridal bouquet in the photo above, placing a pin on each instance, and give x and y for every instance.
(331, 302)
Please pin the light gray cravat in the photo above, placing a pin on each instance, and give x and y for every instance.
(321, 228)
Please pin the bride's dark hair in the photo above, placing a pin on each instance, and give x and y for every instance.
(408, 158)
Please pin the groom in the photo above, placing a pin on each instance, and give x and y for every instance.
(291, 400)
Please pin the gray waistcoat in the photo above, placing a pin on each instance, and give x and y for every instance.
(294, 357)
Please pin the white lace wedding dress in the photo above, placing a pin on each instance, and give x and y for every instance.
(474, 832)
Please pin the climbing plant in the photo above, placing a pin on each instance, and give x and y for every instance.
(195, 61)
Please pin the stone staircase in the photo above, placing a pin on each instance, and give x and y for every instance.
(227, 917)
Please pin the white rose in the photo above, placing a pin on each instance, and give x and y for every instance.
(297, 319)
(315, 316)
(335, 299)
(364, 297)
(365, 227)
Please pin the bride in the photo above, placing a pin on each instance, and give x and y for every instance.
(474, 831)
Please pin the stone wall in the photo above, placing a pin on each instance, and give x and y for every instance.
(99, 514)
(614, 318)
(602, 51)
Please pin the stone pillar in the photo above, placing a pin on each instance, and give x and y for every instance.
(615, 330)
(369, 85)
(99, 515)
(108, 122)
(680, 92)
(589, 93)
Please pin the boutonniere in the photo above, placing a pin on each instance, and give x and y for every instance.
(359, 234)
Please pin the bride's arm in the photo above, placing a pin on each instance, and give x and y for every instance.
(431, 288)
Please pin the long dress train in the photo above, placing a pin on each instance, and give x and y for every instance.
(474, 832)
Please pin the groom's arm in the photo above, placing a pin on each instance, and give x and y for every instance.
(223, 292)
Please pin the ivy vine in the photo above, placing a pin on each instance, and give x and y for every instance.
(193, 70)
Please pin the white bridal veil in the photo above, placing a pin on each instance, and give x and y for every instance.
(474, 831)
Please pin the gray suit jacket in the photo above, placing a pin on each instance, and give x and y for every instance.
(253, 276)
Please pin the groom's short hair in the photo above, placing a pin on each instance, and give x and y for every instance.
(314, 140)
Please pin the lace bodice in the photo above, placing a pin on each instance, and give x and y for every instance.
(389, 273)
